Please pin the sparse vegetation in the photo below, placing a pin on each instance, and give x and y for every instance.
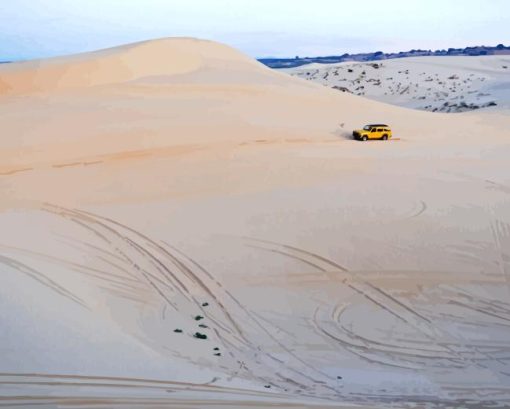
(442, 87)
(199, 335)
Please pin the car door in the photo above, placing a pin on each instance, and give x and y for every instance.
(373, 133)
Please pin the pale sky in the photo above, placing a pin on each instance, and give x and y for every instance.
(260, 28)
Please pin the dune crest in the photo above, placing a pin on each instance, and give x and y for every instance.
(164, 57)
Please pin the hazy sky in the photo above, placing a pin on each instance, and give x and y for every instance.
(41, 28)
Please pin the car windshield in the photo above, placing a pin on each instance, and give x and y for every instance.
(366, 128)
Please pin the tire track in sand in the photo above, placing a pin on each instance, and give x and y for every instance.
(455, 350)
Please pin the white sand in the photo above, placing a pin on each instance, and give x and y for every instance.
(197, 175)
(438, 84)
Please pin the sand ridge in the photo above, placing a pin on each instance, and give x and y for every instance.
(165, 57)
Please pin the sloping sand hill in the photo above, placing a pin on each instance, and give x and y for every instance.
(436, 84)
(150, 60)
(183, 227)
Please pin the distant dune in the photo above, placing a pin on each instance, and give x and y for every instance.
(182, 226)
(438, 84)
(378, 56)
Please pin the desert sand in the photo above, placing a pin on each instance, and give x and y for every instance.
(183, 227)
(436, 84)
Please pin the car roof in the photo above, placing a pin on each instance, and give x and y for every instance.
(377, 125)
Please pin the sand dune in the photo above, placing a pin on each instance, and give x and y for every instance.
(145, 60)
(437, 84)
(184, 227)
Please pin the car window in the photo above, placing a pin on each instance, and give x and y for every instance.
(373, 130)
(379, 130)
(366, 128)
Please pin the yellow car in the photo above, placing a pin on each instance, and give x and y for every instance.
(373, 131)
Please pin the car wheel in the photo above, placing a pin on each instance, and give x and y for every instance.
(364, 138)
(385, 137)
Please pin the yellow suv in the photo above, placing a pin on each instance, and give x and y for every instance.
(373, 131)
